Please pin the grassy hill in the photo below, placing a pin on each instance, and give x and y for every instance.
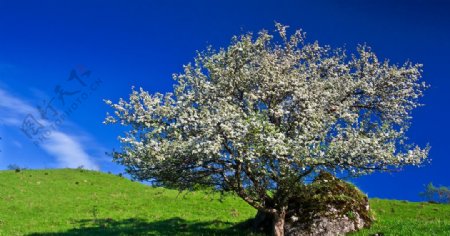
(80, 202)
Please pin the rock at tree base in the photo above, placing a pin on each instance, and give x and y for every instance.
(327, 206)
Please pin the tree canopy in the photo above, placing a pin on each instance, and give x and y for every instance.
(266, 113)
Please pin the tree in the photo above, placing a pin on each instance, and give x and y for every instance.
(263, 115)
(435, 194)
(429, 192)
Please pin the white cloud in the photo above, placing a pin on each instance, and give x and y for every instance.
(67, 149)
(11, 107)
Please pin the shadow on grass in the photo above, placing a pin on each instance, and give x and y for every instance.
(136, 226)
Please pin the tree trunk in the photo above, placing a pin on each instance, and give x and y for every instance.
(278, 223)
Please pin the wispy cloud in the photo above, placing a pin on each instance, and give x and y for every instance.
(68, 151)
(12, 108)
(66, 148)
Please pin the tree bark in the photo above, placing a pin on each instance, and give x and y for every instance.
(278, 223)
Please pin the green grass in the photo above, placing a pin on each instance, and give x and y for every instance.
(86, 202)
(80, 202)
(408, 218)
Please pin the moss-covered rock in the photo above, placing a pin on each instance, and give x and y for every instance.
(327, 206)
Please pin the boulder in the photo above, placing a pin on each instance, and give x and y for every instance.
(328, 206)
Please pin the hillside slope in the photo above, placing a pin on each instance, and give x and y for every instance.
(80, 202)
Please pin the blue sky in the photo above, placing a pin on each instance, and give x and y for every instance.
(113, 45)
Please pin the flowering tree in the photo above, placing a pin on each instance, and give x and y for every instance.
(261, 116)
